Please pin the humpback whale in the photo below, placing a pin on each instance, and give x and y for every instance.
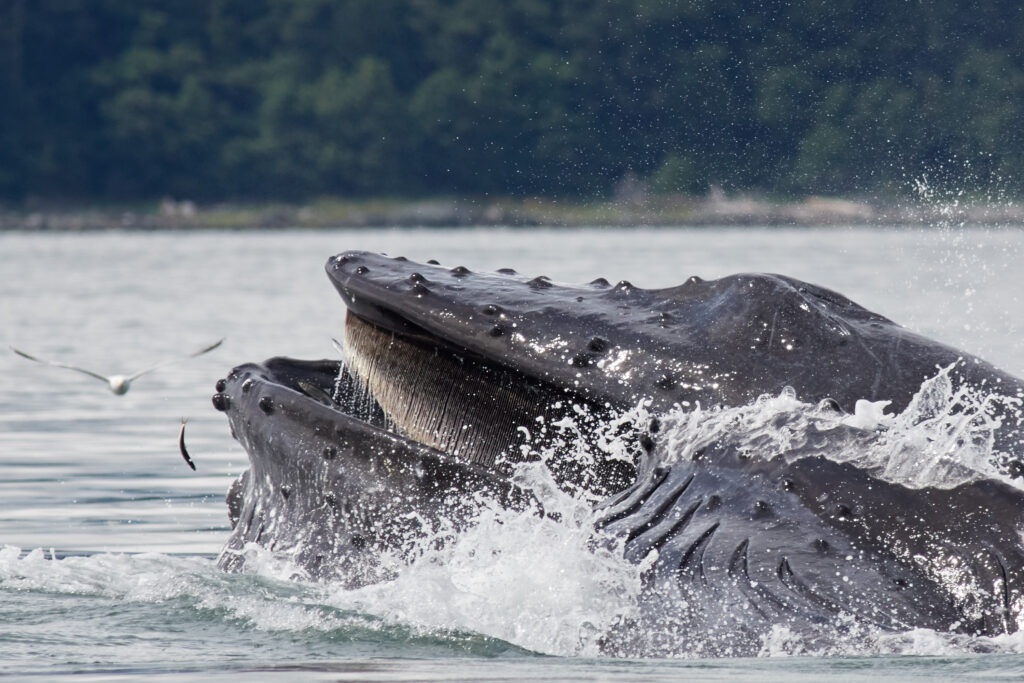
(755, 478)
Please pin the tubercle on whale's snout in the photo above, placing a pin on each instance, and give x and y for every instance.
(223, 399)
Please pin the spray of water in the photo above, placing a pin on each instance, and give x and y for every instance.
(535, 580)
(945, 437)
(544, 579)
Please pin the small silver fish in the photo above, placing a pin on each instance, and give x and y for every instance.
(181, 444)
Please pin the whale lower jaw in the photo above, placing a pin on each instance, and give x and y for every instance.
(327, 489)
(813, 544)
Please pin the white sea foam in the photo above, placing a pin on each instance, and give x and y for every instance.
(537, 581)
(153, 578)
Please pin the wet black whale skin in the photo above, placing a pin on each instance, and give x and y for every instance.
(797, 539)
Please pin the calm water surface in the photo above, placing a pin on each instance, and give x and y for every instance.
(107, 539)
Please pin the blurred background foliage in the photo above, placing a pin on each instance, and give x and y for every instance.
(287, 99)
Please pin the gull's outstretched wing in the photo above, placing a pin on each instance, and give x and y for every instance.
(61, 365)
(171, 361)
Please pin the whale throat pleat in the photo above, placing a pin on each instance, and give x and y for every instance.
(449, 402)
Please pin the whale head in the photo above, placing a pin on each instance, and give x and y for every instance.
(450, 378)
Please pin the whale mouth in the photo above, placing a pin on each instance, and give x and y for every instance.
(441, 397)
(422, 388)
(407, 432)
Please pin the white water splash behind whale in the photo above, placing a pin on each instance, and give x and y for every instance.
(942, 439)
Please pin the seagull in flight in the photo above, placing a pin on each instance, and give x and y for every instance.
(119, 384)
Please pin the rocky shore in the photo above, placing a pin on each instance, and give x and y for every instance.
(715, 209)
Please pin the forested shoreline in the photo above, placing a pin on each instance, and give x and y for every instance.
(119, 100)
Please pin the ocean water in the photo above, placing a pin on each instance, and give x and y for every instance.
(108, 541)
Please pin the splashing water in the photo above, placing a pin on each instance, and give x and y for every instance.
(545, 582)
(504, 578)
(501, 578)
(945, 437)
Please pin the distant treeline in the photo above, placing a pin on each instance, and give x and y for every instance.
(278, 99)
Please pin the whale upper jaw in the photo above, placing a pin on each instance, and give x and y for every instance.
(708, 343)
(608, 344)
